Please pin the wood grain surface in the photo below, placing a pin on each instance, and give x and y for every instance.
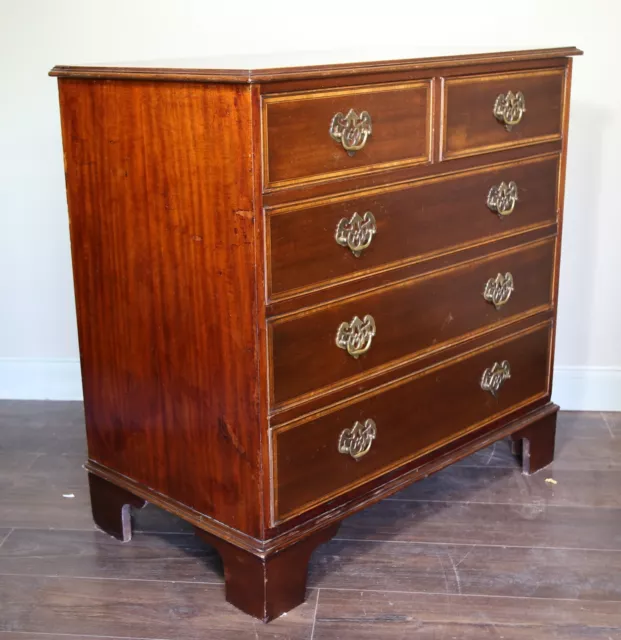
(298, 146)
(163, 258)
(308, 467)
(422, 314)
(420, 219)
(470, 127)
(284, 66)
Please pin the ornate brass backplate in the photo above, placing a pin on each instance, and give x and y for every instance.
(356, 336)
(358, 440)
(502, 198)
(352, 130)
(498, 290)
(509, 108)
(356, 233)
(494, 377)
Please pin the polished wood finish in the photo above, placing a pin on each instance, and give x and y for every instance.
(470, 126)
(444, 214)
(111, 507)
(161, 237)
(535, 444)
(308, 468)
(563, 174)
(299, 193)
(209, 288)
(270, 585)
(381, 376)
(298, 146)
(398, 272)
(305, 358)
(288, 68)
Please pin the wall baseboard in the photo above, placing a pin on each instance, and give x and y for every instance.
(575, 388)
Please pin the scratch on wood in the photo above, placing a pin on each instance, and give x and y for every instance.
(230, 436)
(249, 215)
(447, 321)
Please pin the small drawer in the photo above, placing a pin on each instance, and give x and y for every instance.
(329, 241)
(327, 346)
(318, 459)
(493, 112)
(327, 134)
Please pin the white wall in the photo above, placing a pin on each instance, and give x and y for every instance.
(38, 344)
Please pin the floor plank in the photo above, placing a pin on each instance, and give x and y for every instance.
(93, 554)
(482, 570)
(475, 569)
(352, 615)
(4, 534)
(576, 448)
(30, 635)
(32, 490)
(140, 609)
(613, 423)
(32, 496)
(535, 524)
(581, 423)
(42, 427)
(577, 488)
(13, 462)
(33, 635)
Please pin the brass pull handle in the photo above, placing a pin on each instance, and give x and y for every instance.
(503, 198)
(356, 336)
(356, 233)
(358, 440)
(494, 377)
(509, 108)
(352, 130)
(498, 290)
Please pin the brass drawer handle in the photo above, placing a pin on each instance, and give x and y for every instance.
(502, 198)
(498, 290)
(356, 336)
(358, 440)
(509, 108)
(352, 130)
(494, 377)
(356, 233)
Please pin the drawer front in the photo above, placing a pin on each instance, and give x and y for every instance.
(478, 108)
(379, 126)
(331, 241)
(410, 317)
(319, 459)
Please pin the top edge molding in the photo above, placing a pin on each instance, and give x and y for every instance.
(201, 71)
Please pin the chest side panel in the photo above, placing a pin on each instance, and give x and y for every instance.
(160, 192)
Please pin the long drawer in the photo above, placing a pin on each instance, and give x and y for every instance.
(497, 111)
(318, 459)
(310, 245)
(326, 346)
(318, 135)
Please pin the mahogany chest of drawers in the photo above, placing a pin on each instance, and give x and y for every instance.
(299, 289)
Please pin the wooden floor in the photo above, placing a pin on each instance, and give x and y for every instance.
(476, 552)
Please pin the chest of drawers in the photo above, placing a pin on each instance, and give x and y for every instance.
(301, 288)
